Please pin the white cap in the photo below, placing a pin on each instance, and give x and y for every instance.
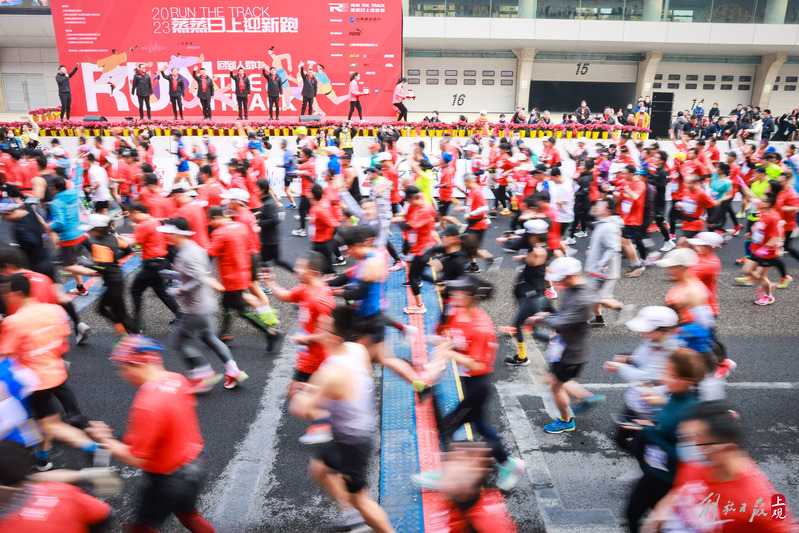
(383, 156)
(33, 136)
(173, 230)
(582, 140)
(707, 238)
(652, 318)
(536, 226)
(96, 220)
(58, 151)
(471, 148)
(483, 112)
(520, 156)
(562, 267)
(240, 195)
(684, 257)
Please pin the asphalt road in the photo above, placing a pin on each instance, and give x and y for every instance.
(257, 469)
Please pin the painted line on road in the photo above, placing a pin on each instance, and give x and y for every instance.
(95, 284)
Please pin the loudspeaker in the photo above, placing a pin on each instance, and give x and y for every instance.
(660, 123)
(310, 118)
(662, 97)
(662, 106)
(94, 118)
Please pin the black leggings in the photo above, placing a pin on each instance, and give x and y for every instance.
(582, 215)
(66, 104)
(274, 101)
(241, 101)
(501, 197)
(144, 101)
(788, 248)
(206, 104)
(660, 220)
(355, 104)
(148, 276)
(271, 252)
(527, 308)
(475, 395)
(403, 111)
(674, 216)
(325, 248)
(728, 210)
(233, 301)
(177, 105)
(112, 305)
(647, 493)
(305, 207)
(307, 102)
(393, 252)
(418, 264)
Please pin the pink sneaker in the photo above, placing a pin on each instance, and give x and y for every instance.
(399, 265)
(766, 299)
(415, 310)
(759, 293)
(725, 368)
(551, 294)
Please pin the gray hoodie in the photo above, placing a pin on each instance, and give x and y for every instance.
(604, 252)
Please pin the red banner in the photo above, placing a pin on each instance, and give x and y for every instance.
(107, 40)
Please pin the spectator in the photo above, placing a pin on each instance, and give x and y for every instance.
(583, 113)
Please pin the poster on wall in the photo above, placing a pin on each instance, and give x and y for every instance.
(331, 40)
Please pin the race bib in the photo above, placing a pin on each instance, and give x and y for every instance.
(656, 457)
(688, 207)
(411, 237)
(758, 236)
(626, 206)
(555, 349)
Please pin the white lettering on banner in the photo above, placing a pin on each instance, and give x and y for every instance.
(336, 8)
(235, 25)
(226, 65)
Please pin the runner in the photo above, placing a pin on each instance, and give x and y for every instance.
(689, 297)
(420, 223)
(767, 239)
(603, 264)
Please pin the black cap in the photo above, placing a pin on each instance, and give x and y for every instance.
(540, 168)
(412, 192)
(472, 285)
(554, 171)
(177, 190)
(181, 223)
(451, 231)
(372, 170)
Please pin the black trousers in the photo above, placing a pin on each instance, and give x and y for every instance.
(501, 197)
(177, 105)
(324, 248)
(403, 111)
(274, 101)
(355, 104)
(112, 303)
(418, 265)
(307, 102)
(243, 104)
(582, 214)
(271, 252)
(144, 101)
(206, 104)
(305, 207)
(148, 276)
(66, 104)
(647, 493)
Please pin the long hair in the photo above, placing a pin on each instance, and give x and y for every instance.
(354, 75)
(401, 80)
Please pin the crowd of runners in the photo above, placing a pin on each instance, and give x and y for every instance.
(208, 246)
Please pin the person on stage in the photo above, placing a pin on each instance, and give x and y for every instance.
(355, 96)
(176, 89)
(242, 86)
(309, 88)
(399, 96)
(142, 87)
(64, 90)
(274, 89)
(205, 91)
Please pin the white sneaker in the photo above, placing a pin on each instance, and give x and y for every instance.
(581, 234)
(668, 246)
(299, 233)
(83, 333)
(411, 332)
(569, 241)
(317, 434)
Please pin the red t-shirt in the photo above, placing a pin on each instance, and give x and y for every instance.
(198, 223)
(765, 229)
(445, 183)
(693, 204)
(708, 269)
(474, 335)
(152, 241)
(550, 156)
(504, 164)
(162, 426)
(632, 211)
(475, 200)
(211, 193)
(553, 234)
(314, 302)
(391, 174)
(229, 244)
(714, 154)
(307, 171)
(51, 507)
(158, 205)
(703, 503)
(42, 288)
(246, 217)
(323, 221)
(252, 187)
(787, 198)
(237, 181)
(422, 221)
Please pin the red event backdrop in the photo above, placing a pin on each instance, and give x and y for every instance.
(108, 40)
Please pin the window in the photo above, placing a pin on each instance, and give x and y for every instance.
(470, 73)
(506, 82)
(414, 72)
(432, 73)
(468, 81)
(656, 85)
(744, 78)
(414, 81)
(790, 88)
(775, 88)
(690, 86)
(506, 73)
(488, 82)
(727, 78)
(726, 87)
(489, 73)
(709, 77)
(431, 81)
(791, 79)
(674, 77)
(778, 78)
(672, 85)
(658, 76)
(450, 73)
(691, 77)
(743, 87)
(708, 86)
(451, 81)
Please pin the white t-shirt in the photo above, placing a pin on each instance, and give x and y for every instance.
(563, 192)
(99, 178)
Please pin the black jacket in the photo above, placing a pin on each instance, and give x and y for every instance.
(583, 114)
(269, 223)
(274, 86)
(63, 81)
(236, 80)
(181, 85)
(713, 112)
(309, 84)
(208, 93)
(141, 85)
(768, 127)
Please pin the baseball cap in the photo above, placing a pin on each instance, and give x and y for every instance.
(483, 112)
(684, 257)
(240, 195)
(707, 238)
(96, 221)
(521, 156)
(302, 130)
(471, 148)
(653, 317)
(254, 144)
(372, 170)
(137, 349)
(536, 226)
(451, 231)
(373, 146)
(540, 168)
(446, 158)
(469, 177)
(175, 226)
(472, 285)
(412, 192)
(582, 140)
(57, 151)
(562, 267)
(383, 156)
(176, 190)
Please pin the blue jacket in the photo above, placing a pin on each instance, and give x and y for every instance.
(65, 211)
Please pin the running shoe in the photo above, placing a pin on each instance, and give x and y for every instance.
(651, 258)
(634, 271)
(339, 261)
(410, 332)
(505, 211)
(587, 403)
(509, 473)
(626, 314)
(415, 310)
(740, 260)
(672, 236)
(581, 234)
(494, 264)
(42, 465)
(668, 246)
(408, 283)
(399, 265)
(551, 294)
(425, 393)
(82, 333)
(203, 385)
(559, 426)
(299, 233)
(473, 268)
(349, 520)
(740, 214)
(79, 292)
(784, 282)
(652, 228)
(766, 299)
(737, 229)
(291, 206)
(759, 292)
(317, 434)
(428, 480)
(569, 241)
(270, 318)
(507, 330)
(744, 281)
(231, 382)
(725, 368)
(597, 322)
(515, 361)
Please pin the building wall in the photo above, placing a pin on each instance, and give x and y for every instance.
(785, 91)
(711, 84)
(32, 61)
